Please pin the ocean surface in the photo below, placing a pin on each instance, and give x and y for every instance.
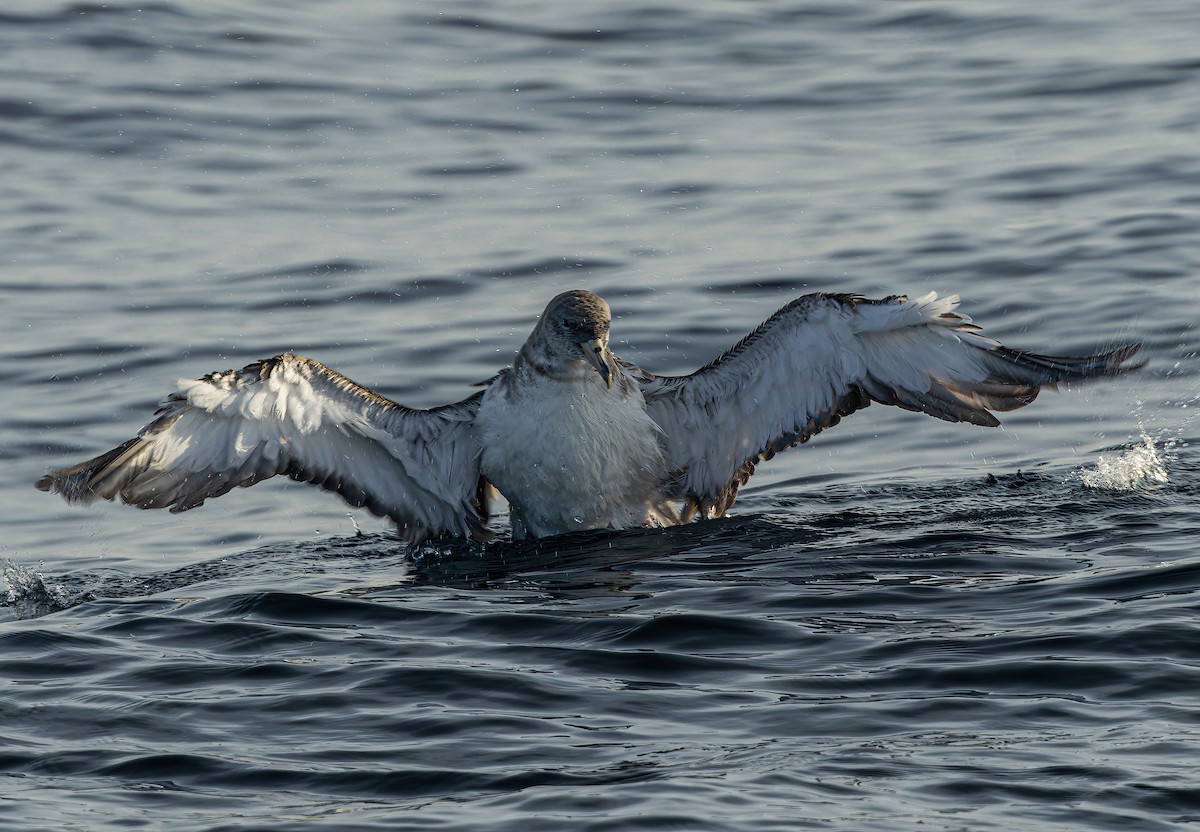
(903, 625)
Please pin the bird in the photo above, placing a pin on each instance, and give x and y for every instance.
(571, 436)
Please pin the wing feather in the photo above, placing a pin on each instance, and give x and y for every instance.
(821, 358)
(293, 416)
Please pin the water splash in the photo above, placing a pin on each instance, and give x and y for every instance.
(31, 595)
(1132, 468)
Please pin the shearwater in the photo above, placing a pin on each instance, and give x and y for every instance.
(573, 437)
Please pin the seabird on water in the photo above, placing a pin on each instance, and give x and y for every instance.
(572, 436)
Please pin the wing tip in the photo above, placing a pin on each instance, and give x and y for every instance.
(77, 483)
(1116, 359)
(75, 488)
(1074, 369)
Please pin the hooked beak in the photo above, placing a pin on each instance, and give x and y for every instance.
(597, 354)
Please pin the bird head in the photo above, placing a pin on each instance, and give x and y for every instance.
(575, 325)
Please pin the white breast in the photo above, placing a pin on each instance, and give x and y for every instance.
(571, 455)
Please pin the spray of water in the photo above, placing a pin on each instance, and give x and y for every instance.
(1146, 461)
(1140, 465)
(31, 595)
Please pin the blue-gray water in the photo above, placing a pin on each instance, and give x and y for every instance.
(908, 625)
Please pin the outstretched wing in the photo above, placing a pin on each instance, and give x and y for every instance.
(824, 356)
(290, 415)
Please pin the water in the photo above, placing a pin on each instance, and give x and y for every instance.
(907, 624)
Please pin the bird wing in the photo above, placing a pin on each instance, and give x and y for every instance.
(822, 357)
(294, 416)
